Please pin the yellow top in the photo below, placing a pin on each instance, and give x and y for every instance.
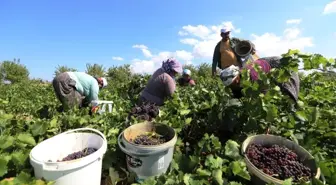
(228, 57)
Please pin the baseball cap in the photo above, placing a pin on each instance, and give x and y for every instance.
(187, 72)
(225, 30)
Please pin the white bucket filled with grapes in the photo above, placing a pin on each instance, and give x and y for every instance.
(70, 158)
(273, 159)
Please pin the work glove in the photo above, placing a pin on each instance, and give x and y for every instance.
(94, 109)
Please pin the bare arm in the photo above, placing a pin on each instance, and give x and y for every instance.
(215, 60)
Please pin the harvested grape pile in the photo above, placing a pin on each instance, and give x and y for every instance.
(147, 111)
(79, 154)
(145, 139)
(279, 162)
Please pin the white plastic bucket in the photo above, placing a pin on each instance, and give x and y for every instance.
(83, 171)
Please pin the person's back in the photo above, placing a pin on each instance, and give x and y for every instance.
(86, 84)
(159, 86)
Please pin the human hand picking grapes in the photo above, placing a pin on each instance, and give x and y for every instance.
(94, 109)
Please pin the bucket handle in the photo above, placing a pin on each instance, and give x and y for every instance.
(85, 129)
(135, 153)
(323, 178)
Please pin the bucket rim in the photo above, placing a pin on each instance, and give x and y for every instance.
(171, 141)
(247, 160)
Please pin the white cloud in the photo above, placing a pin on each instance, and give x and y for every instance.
(189, 41)
(183, 55)
(292, 33)
(182, 33)
(270, 44)
(142, 66)
(330, 8)
(293, 21)
(203, 38)
(117, 58)
(144, 50)
(200, 31)
(155, 61)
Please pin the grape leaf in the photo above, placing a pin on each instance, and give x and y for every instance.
(188, 121)
(301, 115)
(6, 116)
(287, 182)
(27, 139)
(186, 178)
(39, 182)
(3, 167)
(19, 158)
(149, 181)
(212, 162)
(239, 168)
(203, 172)
(53, 123)
(39, 128)
(235, 183)
(232, 149)
(23, 178)
(114, 176)
(184, 112)
(6, 141)
(217, 175)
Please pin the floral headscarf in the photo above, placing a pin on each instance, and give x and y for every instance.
(171, 65)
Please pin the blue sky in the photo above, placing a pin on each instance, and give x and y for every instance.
(45, 34)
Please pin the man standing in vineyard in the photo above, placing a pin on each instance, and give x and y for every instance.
(224, 53)
(231, 77)
(77, 89)
(162, 83)
(186, 78)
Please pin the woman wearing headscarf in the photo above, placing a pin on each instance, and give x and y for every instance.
(77, 89)
(162, 83)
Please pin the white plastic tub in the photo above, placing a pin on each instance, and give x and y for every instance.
(83, 171)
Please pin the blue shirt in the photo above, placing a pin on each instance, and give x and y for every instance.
(86, 85)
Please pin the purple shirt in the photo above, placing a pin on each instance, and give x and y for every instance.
(265, 67)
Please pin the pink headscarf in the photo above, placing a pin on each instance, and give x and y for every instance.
(172, 65)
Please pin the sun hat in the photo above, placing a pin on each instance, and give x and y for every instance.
(225, 30)
(104, 81)
(187, 72)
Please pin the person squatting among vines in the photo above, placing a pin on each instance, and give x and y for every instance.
(231, 77)
(224, 54)
(161, 85)
(77, 89)
(186, 79)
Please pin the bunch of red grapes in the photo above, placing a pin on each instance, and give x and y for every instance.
(79, 154)
(279, 162)
(146, 111)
